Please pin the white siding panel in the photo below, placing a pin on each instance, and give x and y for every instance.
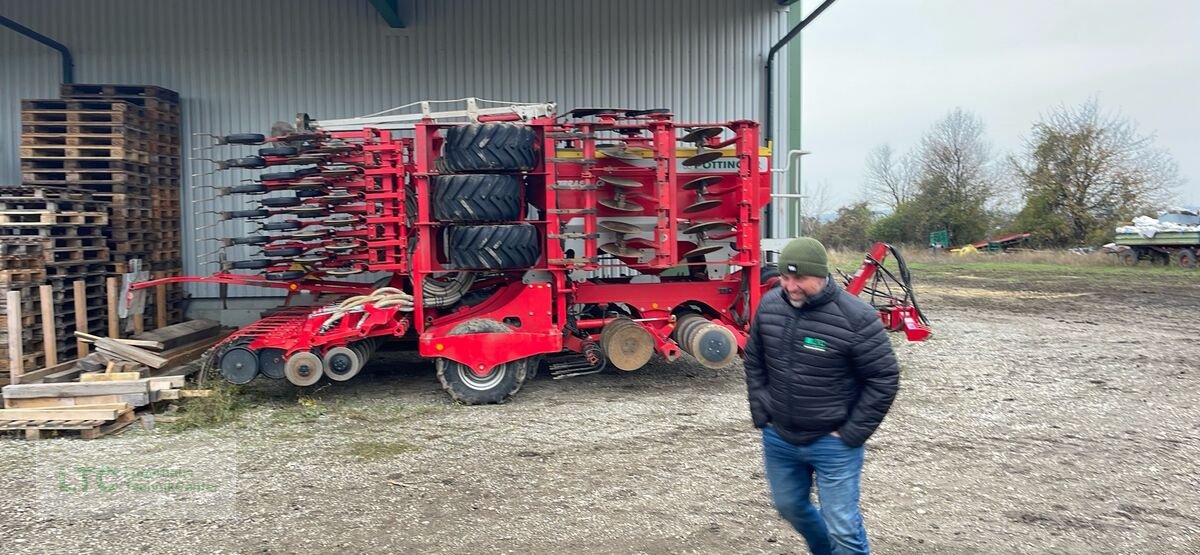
(241, 65)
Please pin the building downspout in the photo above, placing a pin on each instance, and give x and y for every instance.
(68, 63)
(768, 123)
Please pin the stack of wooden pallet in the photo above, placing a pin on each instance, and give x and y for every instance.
(65, 227)
(122, 143)
(161, 232)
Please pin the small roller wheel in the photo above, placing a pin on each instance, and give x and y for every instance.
(251, 264)
(253, 189)
(287, 275)
(280, 226)
(283, 252)
(260, 213)
(270, 363)
(278, 176)
(238, 365)
(342, 363)
(303, 369)
(247, 162)
(244, 139)
(280, 202)
(277, 151)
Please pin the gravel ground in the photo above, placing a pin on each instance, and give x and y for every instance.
(1052, 414)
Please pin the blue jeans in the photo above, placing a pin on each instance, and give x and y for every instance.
(837, 527)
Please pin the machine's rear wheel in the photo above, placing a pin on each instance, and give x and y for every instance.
(1128, 257)
(1186, 259)
(494, 386)
(477, 198)
(490, 147)
(479, 247)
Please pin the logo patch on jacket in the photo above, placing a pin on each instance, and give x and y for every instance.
(814, 344)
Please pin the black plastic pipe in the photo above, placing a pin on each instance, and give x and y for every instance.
(768, 124)
(68, 63)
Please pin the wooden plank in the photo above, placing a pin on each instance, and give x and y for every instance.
(188, 353)
(49, 330)
(15, 356)
(131, 353)
(166, 394)
(58, 414)
(109, 376)
(114, 323)
(177, 335)
(186, 393)
(131, 342)
(40, 374)
(160, 306)
(67, 375)
(81, 323)
(74, 389)
(131, 399)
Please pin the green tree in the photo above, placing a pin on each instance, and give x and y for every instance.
(1084, 171)
(849, 230)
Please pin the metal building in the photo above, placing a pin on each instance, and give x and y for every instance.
(240, 66)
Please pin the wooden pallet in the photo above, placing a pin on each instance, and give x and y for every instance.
(94, 129)
(48, 140)
(23, 276)
(81, 105)
(129, 93)
(52, 204)
(87, 429)
(83, 117)
(133, 153)
(33, 218)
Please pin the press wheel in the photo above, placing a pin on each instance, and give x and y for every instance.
(238, 365)
(342, 363)
(628, 345)
(303, 369)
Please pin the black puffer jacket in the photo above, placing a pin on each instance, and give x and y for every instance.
(825, 366)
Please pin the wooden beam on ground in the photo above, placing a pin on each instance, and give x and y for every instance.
(131, 399)
(178, 335)
(49, 331)
(114, 320)
(58, 414)
(186, 393)
(74, 389)
(15, 329)
(81, 322)
(109, 376)
(131, 353)
(41, 373)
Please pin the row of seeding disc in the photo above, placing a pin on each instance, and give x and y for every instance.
(317, 225)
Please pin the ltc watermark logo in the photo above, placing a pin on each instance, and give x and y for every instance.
(187, 486)
(107, 479)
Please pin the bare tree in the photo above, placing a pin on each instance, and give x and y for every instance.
(816, 202)
(891, 179)
(1084, 170)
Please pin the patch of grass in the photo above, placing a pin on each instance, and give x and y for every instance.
(386, 414)
(305, 409)
(222, 406)
(379, 450)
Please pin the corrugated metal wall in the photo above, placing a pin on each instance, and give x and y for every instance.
(241, 65)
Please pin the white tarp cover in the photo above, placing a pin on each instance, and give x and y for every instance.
(1147, 227)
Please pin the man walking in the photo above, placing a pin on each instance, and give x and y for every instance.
(821, 375)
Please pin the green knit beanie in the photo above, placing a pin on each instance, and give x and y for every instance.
(804, 256)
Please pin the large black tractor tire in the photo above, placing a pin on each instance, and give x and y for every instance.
(477, 198)
(493, 247)
(467, 387)
(490, 147)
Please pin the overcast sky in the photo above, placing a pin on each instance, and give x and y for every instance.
(883, 71)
